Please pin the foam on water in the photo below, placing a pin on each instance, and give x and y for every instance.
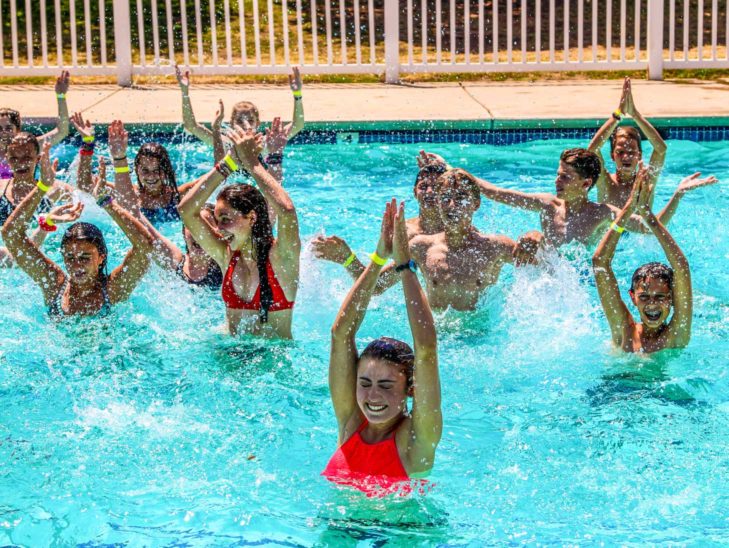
(153, 426)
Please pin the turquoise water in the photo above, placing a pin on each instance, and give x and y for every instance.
(153, 427)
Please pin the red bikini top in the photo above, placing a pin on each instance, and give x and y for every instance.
(233, 300)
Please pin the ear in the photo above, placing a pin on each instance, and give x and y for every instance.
(411, 391)
(632, 297)
(252, 216)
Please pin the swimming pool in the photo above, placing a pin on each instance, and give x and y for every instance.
(153, 427)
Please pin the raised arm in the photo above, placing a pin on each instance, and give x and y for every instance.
(248, 146)
(658, 156)
(191, 205)
(686, 185)
(44, 272)
(679, 328)
(617, 313)
(84, 180)
(60, 132)
(603, 136)
(126, 194)
(188, 116)
(217, 133)
(297, 123)
(515, 198)
(336, 250)
(426, 419)
(343, 357)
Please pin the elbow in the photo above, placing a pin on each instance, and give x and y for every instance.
(600, 262)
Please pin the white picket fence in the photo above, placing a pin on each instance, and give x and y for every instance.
(359, 36)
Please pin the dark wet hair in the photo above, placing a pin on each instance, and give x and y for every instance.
(246, 198)
(626, 131)
(24, 138)
(584, 162)
(460, 177)
(394, 351)
(13, 115)
(87, 232)
(155, 150)
(658, 271)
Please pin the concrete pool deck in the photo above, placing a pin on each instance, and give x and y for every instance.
(485, 105)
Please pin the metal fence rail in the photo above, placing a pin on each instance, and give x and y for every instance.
(130, 37)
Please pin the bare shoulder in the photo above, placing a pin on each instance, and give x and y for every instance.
(413, 227)
(493, 244)
(420, 244)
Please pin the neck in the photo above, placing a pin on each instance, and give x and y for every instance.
(653, 332)
(246, 249)
(575, 203)
(197, 259)
(430, 221)
(625, 176)
(26, 181)
(457, 236)
(83, 290)
(378, 432)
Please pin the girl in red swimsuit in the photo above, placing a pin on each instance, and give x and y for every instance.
(382, 446)
(261, 272)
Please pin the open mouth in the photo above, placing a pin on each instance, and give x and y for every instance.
(375, 409)
(653, 315)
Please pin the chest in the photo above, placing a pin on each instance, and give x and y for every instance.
(563, 226)
(245, 279)
(642, 342)
(462, 268)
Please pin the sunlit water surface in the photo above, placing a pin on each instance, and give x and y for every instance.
(153, 427)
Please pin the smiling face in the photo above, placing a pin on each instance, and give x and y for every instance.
(425, 191)
(245, 116)
(653, 297)
(382, 390)
(150, 175)
(22, 159)
(569, 183)
(234, 227)
(82, 260)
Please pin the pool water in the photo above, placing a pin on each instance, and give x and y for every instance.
(153, 427)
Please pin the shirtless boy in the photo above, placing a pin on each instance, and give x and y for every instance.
(625, 151)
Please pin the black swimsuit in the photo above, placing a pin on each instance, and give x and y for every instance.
(7, 207)
(55, 310)
(161, 214)
(212, 280)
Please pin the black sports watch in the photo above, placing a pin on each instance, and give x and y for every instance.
(411, 265)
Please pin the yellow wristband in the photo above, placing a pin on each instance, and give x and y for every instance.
(49, 221)
(349, 260)
(88, 138)
(43, 187)
(121, 169)
(617, 114)
(231, 163)
(617, 228)
(377, 259)
(61, 95)
(297, 93)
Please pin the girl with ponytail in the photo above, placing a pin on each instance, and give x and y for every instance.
(261, 272)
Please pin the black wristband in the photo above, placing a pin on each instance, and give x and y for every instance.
(411, 265)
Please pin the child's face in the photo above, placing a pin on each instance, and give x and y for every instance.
(425, 192)
(22, 159)
(653, 298)
(381, 390)
(245, 120)
(233, 226)
(82, 260)
(149, 174)
(569, 183)
(626, 153)
(7, 131)
(456, 202)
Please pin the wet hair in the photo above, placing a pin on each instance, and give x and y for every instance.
(155, 150)
(244, 107)
(626, 131)
(86, 232)
(658, 271)
(246, 198)
(13, 115)
(394, 351)
(24, 138)
(584, 162)
(460, 177)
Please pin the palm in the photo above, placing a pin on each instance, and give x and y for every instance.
(692, 182)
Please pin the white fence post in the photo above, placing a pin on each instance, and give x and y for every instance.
(655, 39)
(392, 41)
(123, 42)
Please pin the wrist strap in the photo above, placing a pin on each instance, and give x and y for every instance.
(617, 114)
(42, 186)
(349, 260)
(616, 227)
(60, 95)
(121, 169)
(297, 94)
(230, 162)
(377, 259)
(88, 139)
(122, 159)
(104, 200)
(47, 225)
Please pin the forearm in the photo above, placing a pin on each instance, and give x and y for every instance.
(195, 198)
(134, 230)
(218, 146)
(190, 123)
(274, 193)
(64, 123)
(605, 250)
(603, 134)
(125, 191)
(38, 237)
(83, 177)
(666, 214)
(353, 309)
(673, 252)
(298, 118)
(420, 316)
(651, 133)
(14, 230)
(513, 198)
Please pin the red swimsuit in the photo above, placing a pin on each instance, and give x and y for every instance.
(233, 300)
(374, 468)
